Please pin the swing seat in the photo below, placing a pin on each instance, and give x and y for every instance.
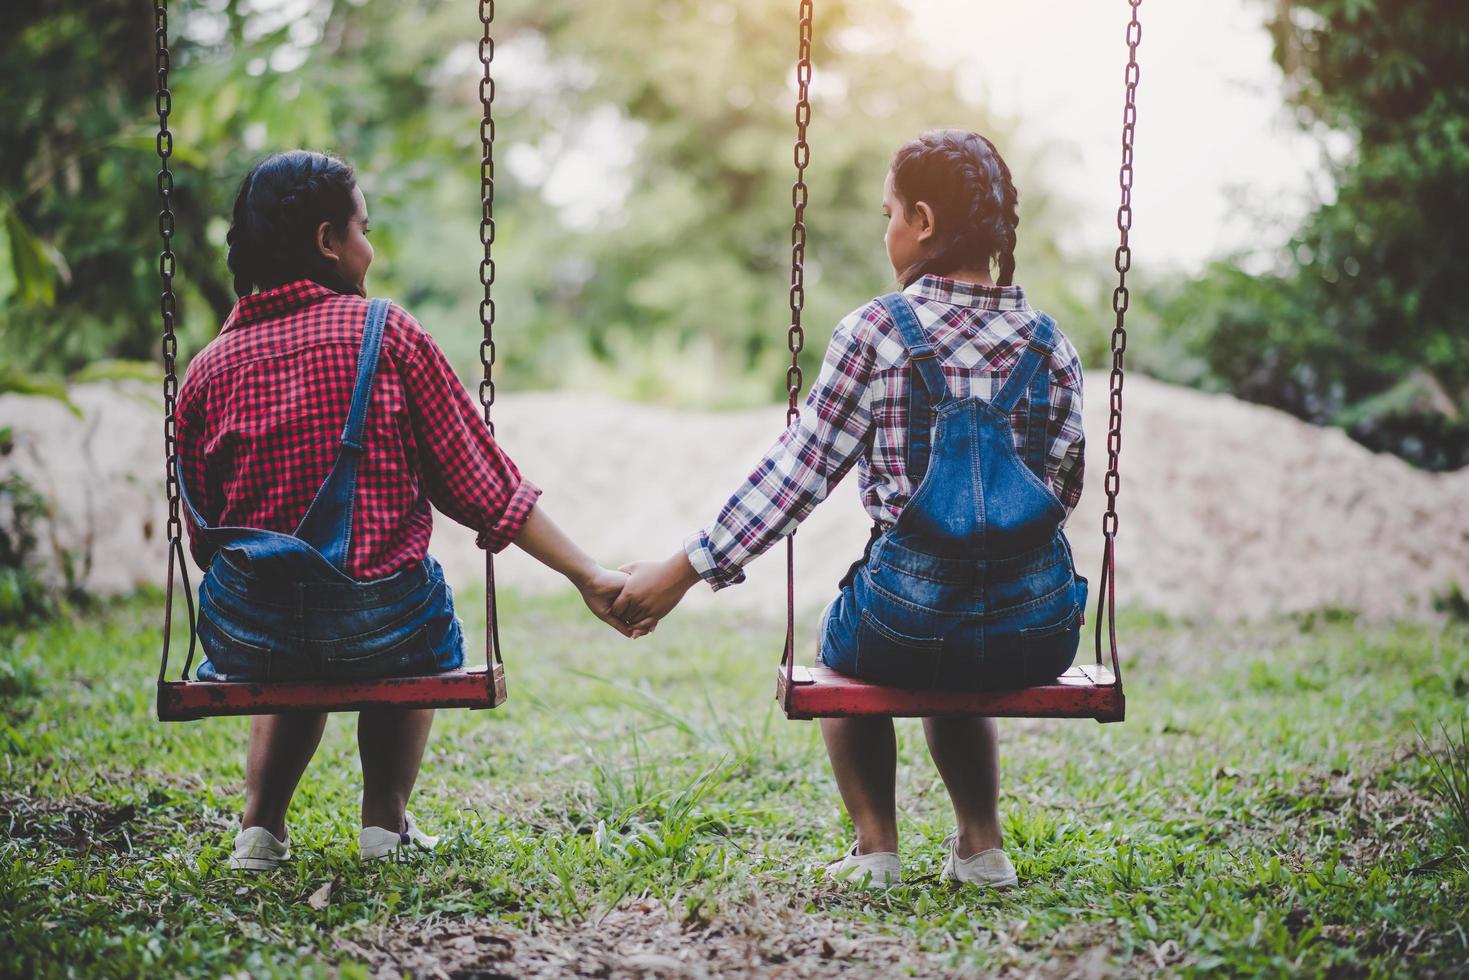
(1085, 691)
(477, 687)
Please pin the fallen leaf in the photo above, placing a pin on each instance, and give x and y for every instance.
(321, 897)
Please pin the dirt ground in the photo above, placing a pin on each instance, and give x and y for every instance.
(1228, 510)
(641, 942)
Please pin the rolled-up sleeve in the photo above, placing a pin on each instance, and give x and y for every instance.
(466, 473)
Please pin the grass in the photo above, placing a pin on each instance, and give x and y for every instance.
(642, 809)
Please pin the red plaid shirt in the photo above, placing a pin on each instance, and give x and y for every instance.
(261, 412)
(857, 414)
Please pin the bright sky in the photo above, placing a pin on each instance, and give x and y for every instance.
(1216, 152)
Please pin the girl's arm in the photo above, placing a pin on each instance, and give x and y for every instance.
(544, 541)
(796, 474)
(471, 479)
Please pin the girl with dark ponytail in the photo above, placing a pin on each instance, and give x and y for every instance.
(960, 405)
(315, 434)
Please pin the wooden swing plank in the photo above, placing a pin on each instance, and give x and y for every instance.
(1085, 691)
(472, 688)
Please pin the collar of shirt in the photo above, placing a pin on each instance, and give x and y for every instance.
(271, 304)
(942, 289)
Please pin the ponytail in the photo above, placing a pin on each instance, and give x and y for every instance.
(282, 202)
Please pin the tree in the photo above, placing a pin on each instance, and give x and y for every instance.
(675, 290)
(1365, 327)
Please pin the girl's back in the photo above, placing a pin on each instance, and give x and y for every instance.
(978, 335)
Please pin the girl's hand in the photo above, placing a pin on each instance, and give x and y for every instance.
(599, 590)
(653, 589)
(599, 587)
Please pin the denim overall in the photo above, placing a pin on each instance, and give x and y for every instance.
(276, 607)
(973, 587)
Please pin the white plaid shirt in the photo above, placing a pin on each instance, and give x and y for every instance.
(857, 412)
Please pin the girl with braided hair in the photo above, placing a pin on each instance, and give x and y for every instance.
(960, 405)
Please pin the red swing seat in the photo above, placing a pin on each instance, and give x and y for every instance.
(475, 687)
(1085, 691)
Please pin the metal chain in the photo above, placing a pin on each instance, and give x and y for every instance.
(796, 336)
(1122, 262)
(163, 102)
(487, 300)
(487, 211)
(168, 308)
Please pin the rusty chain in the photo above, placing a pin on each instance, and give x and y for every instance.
(796, 336)
(487, 300)
(1122, 262)
(487, 211)
(168, 309)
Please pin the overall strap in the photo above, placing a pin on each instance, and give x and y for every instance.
(207, 532)
(926, 386)
(1037, 353)
(327, 526)
(1033, 376)
(372, 345)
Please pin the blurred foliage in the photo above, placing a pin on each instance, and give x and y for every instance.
(643, 171)
(1363, 326)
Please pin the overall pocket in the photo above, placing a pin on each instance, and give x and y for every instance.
(893, 659)
(232, 656)
(400, 657)
(425, 639)
(1047, 651)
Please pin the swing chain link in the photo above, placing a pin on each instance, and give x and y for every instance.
(1122, 262)
(487, 211)
(168, 309)
(168, 304)
(487, 300)
(796, 336)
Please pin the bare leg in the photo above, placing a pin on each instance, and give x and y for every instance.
(966, 751)
(280, 748)
(864, 758)
(391, 743)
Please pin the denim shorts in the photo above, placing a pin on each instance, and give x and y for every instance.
(256, 629)
(913, 621)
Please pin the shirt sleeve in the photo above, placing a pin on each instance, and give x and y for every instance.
(800, 470)
(466, 474)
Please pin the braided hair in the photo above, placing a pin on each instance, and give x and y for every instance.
(282, 201)
(961, 176)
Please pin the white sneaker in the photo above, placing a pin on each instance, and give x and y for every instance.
(377, 843)
(989, 869)
(880, 869)
(256, 849)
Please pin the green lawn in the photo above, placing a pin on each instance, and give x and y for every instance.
(642, 809)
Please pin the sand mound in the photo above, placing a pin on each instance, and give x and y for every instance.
(1228, 510)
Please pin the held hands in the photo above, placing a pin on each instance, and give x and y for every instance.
(633, 603)
(599, 590)
(651, 591)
